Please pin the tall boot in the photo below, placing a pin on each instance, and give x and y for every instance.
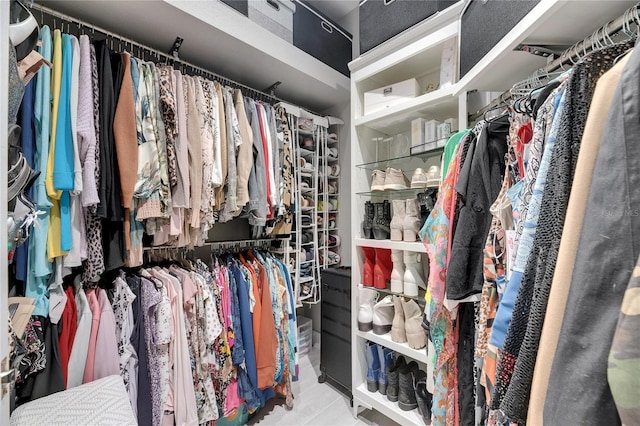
(412, 274)
(393, 374)
(373, 366)
(369, 265)
(398, 333)
(382, 270)
(367, 223)
(381, 222)
(397, 221)
(385, 355)
(366, 300)
(411, 223)
(397, 274)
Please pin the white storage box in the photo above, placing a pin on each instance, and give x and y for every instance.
(384, 97)
(431, 130)
(417, 133)
(305, 335)
(274, 15)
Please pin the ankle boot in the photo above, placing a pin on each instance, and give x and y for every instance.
(416, 335)
(397, 222)
(373, 366)
(412, 274)
(398, 333)
(381, 222)
(406, 388)
(366, 300)
(383, 316)
(393, 378)
(423, 397)
(367, 223)
(385, 355)
(369, 265)
(397, 274)
(411, 223)
(382, 269)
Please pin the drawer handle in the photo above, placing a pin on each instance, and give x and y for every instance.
(274, 4)
(388, 2)
(326, 27)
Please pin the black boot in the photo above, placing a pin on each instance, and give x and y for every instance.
(367, 223)
(381, 221)
(392, 376)
(406, 387)
(423, 397)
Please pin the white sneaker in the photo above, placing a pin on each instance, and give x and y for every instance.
(377, 180)
(433, 177)
(419, 179)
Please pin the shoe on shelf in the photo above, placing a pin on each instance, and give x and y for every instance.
(411, 220)
(416, 336)
(398, 333)
(385, 355)
(308, 143)
(367, 223)
(333, 202)
(334, 257)
(406, 388)
(382, 268)
(366, 300)
(309, 255)
(373, 365)
(332, 138)
(393, 378)
(332, 152)
(369, 266)
(305, 165)
(377, 180)
(433, 177)
(419, 178)
(413, 275)
(306, 220)
(306, 125)
(333, 170)
(334, 240)
(383, 315)
(397, 221)
(322, 206)
(423, 397)
(382, 220)
(395, 179)
(398, 272)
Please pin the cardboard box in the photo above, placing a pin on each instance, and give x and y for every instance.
(384, 97)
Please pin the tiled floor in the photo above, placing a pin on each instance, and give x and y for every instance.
(315, 403)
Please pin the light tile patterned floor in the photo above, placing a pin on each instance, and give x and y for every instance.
(317, 404)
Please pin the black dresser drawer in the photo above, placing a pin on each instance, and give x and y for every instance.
(321, 38)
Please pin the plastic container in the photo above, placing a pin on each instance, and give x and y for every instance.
(305, 335)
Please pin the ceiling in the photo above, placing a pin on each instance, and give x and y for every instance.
(335, 9)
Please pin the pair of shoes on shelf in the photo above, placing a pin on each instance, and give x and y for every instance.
(308, 143)
(407, 385)
(398, 315)
(391, 179)
(429, 179)
(334, 258)
(333, 170)
(332, 153)
(332, 138)
(376, 271)
(379, 359)
(406, 220)
(306, 202)
(332, 221)
(334, 241)
(306, 125)
(408, 272)
(305, 166)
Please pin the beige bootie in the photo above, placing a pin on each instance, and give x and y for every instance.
(398, 334)
(397, 221)
(411, 220)
(416, 335)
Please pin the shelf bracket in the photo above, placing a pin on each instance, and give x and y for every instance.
(173, 52)
(271, 90)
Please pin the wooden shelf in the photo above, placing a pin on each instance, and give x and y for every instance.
(394, 245)
(390, 409)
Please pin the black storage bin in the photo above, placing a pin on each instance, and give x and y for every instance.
(484, 23)
(321, 38)
(241, 6)
(382, 19)
(335, 346)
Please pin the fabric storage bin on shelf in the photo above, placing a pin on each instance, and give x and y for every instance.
(274, 15)
(321, 38)
(305, 335)
(479, 15)
(382, 19)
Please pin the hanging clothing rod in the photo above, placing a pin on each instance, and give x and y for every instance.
(168, 58)
(228, 243)
(601, 37)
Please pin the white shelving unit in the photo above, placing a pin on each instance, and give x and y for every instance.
(416, 53)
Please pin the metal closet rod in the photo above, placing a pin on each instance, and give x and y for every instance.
(580, 49)
(55, 14)
(229, 243)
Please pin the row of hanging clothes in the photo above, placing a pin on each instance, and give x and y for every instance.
(122, 153)
(193, 341)
(525, 308)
